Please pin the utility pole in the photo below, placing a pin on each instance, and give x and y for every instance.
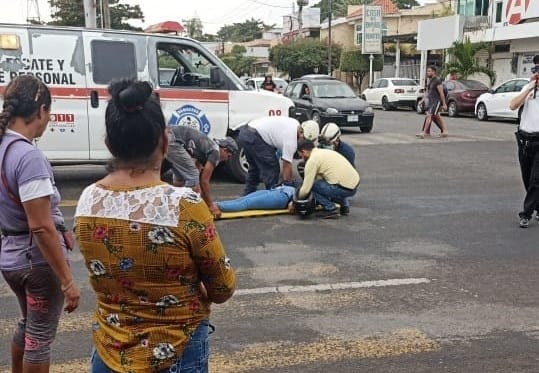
(329, 39)
(301, 4)
(105, 12)
(32, 12)
(89, 13)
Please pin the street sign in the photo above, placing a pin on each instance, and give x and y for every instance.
(372, 29)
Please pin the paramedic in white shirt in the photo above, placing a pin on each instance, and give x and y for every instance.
(261, 139)
(528, 145)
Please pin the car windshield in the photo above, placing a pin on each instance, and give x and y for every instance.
(403, 82)
(472, 84)
(332, 90)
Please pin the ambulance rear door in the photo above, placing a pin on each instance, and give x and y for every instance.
(189, 96)
(56, 57)
(109, 56)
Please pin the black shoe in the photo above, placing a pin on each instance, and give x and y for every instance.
(524, 222)
(344, 210)
(328, 214)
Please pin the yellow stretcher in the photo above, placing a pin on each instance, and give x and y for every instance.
(256, 213)
(251, 213)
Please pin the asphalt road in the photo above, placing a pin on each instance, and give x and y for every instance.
(429, 273)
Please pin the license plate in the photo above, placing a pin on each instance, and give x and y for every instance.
(411, 90)
(353, 118)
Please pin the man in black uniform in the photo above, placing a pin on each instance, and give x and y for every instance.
(528, 144)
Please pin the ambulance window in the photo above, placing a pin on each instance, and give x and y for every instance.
(113, 60)
(190, 68)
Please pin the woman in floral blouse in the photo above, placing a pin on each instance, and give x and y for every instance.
(156, 262)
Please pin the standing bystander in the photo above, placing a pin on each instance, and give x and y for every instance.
(528, 145)
(436, 100)
(33, 258)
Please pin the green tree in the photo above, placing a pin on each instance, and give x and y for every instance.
(358, 64)
(71, 13)
(405, 4)
(339, 8)
(194, 28)
(237, 62)
(304, 56)
(248, 30)
(462, 60)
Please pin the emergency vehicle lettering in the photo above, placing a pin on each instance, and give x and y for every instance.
(273, 113)
(50, 71)
(62, 122)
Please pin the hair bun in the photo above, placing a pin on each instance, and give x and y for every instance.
(130, 96)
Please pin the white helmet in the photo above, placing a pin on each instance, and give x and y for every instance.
(329, 133)
(310, 130)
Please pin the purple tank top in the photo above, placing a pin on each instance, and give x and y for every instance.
(22, 163)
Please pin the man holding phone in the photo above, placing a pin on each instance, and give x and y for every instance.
(528, 144)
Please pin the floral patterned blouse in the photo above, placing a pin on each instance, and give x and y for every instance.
(148, 249)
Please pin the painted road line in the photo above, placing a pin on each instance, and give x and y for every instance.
(337, 286)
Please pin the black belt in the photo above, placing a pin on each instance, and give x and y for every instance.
(4, 232)
(348, 189)
(528, 136)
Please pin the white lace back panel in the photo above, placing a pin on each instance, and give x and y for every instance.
(159, 205)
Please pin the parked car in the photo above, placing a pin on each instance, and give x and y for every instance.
(390, 93)
(325, 99)
(495, 103)
(462, 95)
(256, 84)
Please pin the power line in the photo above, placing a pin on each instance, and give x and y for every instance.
(270, 5)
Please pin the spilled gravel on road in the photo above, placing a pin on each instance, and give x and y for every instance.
(286, 354)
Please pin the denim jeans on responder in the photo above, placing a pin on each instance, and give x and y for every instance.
(193, 360)
(263, 162)
(326, 194)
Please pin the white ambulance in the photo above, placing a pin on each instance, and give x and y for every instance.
(194, 86)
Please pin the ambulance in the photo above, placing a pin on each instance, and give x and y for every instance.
(195, 87)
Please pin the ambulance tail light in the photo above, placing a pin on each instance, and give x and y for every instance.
(9, 42)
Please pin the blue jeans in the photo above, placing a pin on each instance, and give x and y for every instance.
(259, 200)
(193, 360)
(263, 162)
(325, 194)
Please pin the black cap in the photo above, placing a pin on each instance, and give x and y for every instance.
(228, 143)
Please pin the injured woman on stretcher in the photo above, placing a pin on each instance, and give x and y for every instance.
(279, 197)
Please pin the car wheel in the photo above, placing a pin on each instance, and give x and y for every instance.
(482, 112)
(238, 165)
(419, 108)
(316, 117)
(452, 109)
(385, 103)
(366, 129)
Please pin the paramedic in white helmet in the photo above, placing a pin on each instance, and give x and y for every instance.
(311, 130)
(330, 138)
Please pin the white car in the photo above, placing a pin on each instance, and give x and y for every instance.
(256, 84)
(496, 102)
(392, 92)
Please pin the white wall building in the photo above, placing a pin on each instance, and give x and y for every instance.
(512, 26)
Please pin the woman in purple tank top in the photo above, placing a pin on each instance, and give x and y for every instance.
(33, 251)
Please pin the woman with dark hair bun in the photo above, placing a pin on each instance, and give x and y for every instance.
(33, 257)
(155, 260)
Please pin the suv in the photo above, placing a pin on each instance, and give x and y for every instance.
(325, 99)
